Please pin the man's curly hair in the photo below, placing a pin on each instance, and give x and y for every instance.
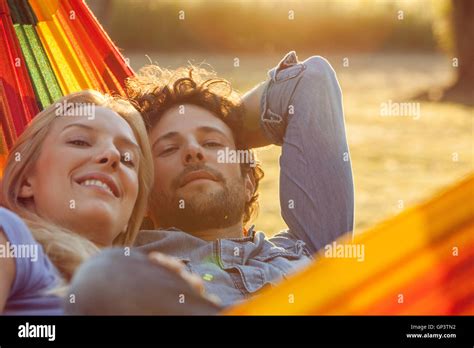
(154, 90)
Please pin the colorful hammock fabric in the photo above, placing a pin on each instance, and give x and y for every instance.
(49, 49)
(420, 262)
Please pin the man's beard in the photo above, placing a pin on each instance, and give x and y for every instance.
(201, 210)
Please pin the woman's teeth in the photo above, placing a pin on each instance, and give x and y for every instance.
(97, 183)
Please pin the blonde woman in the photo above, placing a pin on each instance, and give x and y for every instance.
(77, 180)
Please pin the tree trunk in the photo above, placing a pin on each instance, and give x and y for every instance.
(462, 90)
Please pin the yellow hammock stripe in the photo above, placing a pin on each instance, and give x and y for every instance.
(67, 66)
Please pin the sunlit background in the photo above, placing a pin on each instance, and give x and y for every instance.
(382, 51)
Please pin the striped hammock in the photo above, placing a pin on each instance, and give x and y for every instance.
(420, 262)
(49, 49)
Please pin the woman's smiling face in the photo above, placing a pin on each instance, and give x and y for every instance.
(86, 175)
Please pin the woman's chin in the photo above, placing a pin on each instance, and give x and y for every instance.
(98, 213)
(99, 210)
(99, 226)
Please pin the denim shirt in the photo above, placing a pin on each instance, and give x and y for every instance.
(301, 111)
(232, 269)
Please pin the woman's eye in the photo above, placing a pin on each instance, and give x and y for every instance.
(213, 144)
(79, 142)
(127, 160)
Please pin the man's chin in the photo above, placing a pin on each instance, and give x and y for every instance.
(200, 205)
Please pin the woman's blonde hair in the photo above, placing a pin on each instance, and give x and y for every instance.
(65, 248)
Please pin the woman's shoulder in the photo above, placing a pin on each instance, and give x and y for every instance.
(15, 228)
(8, 215)
(34, 272)
(22, 246)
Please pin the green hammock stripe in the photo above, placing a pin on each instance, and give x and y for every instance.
(43, 63)
(38, 84)
(43, 79)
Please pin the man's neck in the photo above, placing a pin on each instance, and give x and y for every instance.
(235, 231)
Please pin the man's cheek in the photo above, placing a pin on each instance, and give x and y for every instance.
(159, 176)
(232, 170)
(161, 185)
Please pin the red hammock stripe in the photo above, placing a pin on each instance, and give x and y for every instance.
(16, 90)
(116, 70)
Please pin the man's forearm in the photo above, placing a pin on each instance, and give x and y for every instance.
(316, 185)
(254, 136)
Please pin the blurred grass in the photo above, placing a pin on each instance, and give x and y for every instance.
(269, 26)
(393, 158)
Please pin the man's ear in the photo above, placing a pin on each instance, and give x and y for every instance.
(26, 189)
(249, 185)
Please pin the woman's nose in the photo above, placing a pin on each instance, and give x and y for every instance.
(109, 156)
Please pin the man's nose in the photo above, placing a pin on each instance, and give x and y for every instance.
(193, 154)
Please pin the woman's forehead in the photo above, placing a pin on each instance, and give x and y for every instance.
(98, 118)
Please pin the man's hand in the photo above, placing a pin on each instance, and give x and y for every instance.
(254, 136)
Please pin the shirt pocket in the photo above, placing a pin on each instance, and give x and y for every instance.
(287, 260)
(262, 270)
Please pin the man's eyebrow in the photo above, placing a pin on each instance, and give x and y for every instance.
(164, 137)
(208, 129)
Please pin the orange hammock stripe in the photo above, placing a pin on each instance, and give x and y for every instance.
(431, 268)
(327, 285)
(65, 61)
